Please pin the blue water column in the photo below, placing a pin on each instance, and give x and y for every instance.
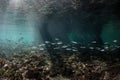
(18, 24)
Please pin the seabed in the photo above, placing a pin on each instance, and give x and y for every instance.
(60, 61)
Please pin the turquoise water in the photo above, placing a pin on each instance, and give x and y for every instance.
(22, 21)
(111, 31)
(16, 27)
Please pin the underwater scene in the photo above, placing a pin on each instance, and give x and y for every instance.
(59, 39)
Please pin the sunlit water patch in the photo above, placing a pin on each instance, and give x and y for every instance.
(18, 25)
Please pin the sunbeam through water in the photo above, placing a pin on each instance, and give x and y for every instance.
(59, 39)
(17, 24)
